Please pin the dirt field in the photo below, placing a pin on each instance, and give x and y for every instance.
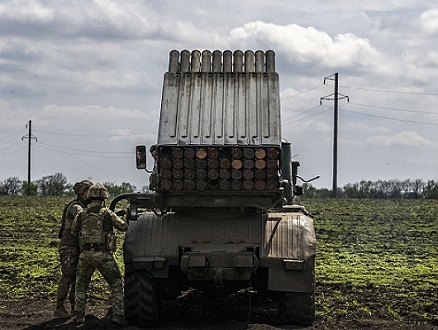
(37, 315)
(376, 268)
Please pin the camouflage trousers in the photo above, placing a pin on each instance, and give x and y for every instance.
(104, 262)
(68, 256)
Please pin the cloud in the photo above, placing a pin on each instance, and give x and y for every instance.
(92, 112)
(98, 19)
(308, 45)
(94, 70)
(14, 114)
(429, 21)
(309, 126)
(129, 136)
(26, 11)
(403, 139)
(365, 127)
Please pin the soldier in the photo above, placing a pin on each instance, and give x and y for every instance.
(69, 250)
(94, 228)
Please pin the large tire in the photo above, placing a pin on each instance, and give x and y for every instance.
(297, 308)
(142, 299)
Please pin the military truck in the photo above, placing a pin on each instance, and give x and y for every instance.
(221, 215)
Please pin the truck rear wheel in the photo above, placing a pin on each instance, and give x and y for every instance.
(297, 308)
(142, 301)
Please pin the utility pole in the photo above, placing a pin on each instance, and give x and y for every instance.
(336, 96)
(29, 136)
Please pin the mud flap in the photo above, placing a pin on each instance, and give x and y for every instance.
(290, 280)
(293, 277)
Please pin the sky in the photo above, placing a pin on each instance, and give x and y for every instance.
(88, 74)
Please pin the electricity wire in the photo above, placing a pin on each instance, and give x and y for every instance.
(78, 154)
(87, 135)
(389, 91)
(13, 152)
(299, 114)
(302, 92)
(9, 146)
(7, 137)
(83, 150)
(389, 118)
(287, 121)
(316, 114)
(395, 109)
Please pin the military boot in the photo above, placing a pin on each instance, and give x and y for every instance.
(79, 318)
(119, 320)
(61, 313)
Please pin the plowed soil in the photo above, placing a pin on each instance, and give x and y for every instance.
(188, 314)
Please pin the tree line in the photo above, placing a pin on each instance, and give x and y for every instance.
(55, 185)
(58, 185)
(380, 189)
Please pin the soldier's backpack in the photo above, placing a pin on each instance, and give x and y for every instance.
(92, 231)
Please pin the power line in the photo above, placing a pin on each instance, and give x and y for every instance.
(29, 137)
(9, 146)
(78, 154)
(286, 121)
(395, 119)
(336, 96)
(7, 137)
(314, 115)
(389, 91)
(395, 109)
(302, 92)
(368, 114)
(83, 150)
(87, 135)
(299, 114)
(75, 135)
(12, 152)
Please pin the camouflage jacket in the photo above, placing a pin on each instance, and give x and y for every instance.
(74, 207)
(110, 219)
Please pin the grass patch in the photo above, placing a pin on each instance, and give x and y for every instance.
(29, 264)
(375, 258)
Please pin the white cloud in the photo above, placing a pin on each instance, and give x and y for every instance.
(127, 135)
(26, 11)
(403, 139)
(97, 19)
(310, 126)
(14, 114)
(363, 127)
(118, 19)
(308, 45)
(429, 20)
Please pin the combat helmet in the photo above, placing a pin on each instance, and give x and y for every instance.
(97, 191)
(81, 186)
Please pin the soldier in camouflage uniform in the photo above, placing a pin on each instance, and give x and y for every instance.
(69, 250)
(94, 227)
